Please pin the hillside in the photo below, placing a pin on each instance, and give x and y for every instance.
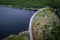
(46, 25)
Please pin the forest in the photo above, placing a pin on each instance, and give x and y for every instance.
(33, 4)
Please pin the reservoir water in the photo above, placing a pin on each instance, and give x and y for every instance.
(13, 21)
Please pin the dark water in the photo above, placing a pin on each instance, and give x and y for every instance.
(13, 21)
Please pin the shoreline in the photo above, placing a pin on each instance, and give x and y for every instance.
(25, 8)
(16, 34)
(23, 32)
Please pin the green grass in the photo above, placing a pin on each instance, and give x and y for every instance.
(48, 12)
(50, 27)
(40, 14)
(19, 37)
(51, 13)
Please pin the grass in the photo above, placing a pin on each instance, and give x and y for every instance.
(50, 13)
(23, 36)
(43, 26)
(40, 14)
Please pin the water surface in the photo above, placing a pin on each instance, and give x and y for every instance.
(13, 21)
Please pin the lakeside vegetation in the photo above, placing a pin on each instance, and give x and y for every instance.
(21, 36)
(33, 4)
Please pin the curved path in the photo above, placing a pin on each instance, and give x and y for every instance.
(32, 19)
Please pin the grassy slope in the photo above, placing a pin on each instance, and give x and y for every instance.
(44, 23)
(23, 36)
